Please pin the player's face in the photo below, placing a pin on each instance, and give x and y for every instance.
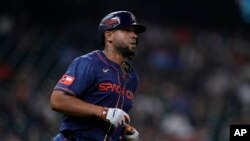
(125, 41)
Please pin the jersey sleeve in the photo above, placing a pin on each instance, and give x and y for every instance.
(78, 77)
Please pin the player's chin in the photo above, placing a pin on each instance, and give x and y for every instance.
(133, 47)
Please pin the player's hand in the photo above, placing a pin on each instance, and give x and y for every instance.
(115, 116)
(130, 133)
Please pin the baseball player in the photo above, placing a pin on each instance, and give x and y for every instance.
(95, 94)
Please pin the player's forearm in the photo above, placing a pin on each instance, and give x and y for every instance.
(73, 106)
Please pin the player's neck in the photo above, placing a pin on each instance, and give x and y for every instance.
(114, 57)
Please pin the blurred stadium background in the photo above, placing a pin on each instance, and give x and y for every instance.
(193, 63)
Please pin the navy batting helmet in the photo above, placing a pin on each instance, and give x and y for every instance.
(119, 19)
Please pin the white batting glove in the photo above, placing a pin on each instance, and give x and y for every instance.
(115, 116)
(132, 136)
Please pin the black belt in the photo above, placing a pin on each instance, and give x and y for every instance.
(69, 135)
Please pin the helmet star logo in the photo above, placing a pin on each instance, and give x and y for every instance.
(113, 21)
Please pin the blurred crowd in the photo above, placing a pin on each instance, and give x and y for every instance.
(194, 82)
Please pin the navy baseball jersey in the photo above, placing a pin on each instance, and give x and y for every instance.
(95, 79)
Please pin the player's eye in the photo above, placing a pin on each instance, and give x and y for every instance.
(128, 29)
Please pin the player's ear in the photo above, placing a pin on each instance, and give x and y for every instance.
(108, 35)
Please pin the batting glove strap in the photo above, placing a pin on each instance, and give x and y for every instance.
(133, 136)
(117, 117)
(104, 113)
